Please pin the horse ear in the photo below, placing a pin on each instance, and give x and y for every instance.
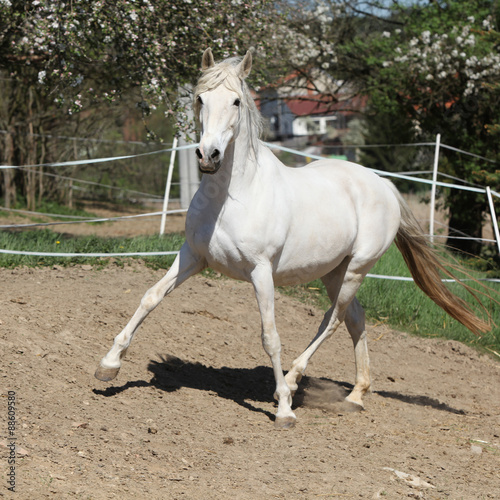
(245, 66)
(207, 61)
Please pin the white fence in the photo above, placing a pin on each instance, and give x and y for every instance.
(434, 183)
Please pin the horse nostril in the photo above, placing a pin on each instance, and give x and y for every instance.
(198, 153)
(215, 154)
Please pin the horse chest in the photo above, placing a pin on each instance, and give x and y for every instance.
(227, 247)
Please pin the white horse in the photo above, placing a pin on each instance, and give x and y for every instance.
(255, 219)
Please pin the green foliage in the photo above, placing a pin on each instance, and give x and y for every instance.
(52, 207)
(402, 305)
(438, 68)
(429, 66)
(123, 63)
(387, 128)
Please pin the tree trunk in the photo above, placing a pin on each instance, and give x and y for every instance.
(9, 189)
(30, 173)
(466, 220)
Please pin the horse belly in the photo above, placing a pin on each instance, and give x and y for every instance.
(312, 254)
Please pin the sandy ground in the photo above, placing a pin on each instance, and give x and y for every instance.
(190, 415)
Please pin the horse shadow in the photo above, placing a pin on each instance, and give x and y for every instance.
(249, 387)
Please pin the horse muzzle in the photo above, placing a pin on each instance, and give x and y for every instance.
(209, 165)
(210, 168)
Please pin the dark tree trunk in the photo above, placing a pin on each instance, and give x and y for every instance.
(466, 220)
(9, 188)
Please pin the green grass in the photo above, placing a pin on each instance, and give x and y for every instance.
(402, 306)
(399, 304)
(44, 241)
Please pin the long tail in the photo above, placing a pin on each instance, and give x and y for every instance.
(425, 266)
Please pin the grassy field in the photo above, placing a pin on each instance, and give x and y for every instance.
(402, 306)
(399, 304)
(46, 241)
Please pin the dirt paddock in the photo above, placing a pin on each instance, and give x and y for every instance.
(190, 415)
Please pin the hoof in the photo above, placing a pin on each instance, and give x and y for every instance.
(106, 374)
(352, 406)
(284, 423)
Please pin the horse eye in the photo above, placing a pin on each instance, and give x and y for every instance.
(237, 102)
(200, 100)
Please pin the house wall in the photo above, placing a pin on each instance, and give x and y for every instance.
(317, 125)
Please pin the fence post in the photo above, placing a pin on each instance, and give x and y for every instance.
(188, 173)
(433, 189)
(167, 186)
(494, 220)
(188, 163)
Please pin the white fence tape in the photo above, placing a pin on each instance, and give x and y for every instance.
(272, 146)
(35, 224)
(98, 160)
(176, 252)
(451, 148)
(392, 174)
(29, 212)
(64, 254)
(406, 278)
(281, 148)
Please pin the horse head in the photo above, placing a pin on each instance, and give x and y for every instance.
(219, 97)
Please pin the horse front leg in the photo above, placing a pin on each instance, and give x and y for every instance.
(262, 281)
(185, 265)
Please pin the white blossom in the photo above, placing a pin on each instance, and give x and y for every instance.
(487, 23)
(436, 57)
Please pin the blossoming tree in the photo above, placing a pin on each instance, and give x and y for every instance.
(441, 69)
(434, 64)
(74, 55)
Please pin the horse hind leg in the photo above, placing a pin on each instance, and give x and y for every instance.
(355, 323)
(328, 326)
(338, 285)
